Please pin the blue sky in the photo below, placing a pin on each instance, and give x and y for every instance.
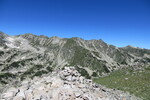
(117, 22)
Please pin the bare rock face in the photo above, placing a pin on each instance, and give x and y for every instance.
(67, 84)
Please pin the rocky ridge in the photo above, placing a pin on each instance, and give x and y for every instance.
(24, 57)
(65, 84)
(19, 54)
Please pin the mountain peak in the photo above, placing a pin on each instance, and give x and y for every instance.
(3, 35)
(133, 47)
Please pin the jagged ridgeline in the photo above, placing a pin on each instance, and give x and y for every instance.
(26, 56)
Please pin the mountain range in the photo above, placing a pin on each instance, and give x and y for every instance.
(25, 55)
(28, 55)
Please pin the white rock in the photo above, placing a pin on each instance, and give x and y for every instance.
(8, 94)
(71, 87)
(68, 78)
(57, 82)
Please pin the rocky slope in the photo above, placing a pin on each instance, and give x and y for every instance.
(27, 51)
(24, 57)
(67, 84)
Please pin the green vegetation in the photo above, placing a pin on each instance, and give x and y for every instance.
(62, 68)
(84, 57)
(6, 76)
(1, 53)
(137, 83)
(49, 69)
(120, 57)
(17, 64)
(31, 72)
(70, 42)
(83, 72)
(80, 53)
(94, 74)
(11, 57)
(40, 73)
(79, 57)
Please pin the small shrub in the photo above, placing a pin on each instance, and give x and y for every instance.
(49, 69)
(94, 74)
(40, 73)
(83, 72)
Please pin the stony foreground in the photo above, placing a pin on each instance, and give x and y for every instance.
(63, 85)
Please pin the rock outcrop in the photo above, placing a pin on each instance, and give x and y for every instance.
(65, 84)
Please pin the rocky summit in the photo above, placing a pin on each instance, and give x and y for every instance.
(65, 84)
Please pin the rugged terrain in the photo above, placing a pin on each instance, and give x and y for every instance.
(67, 84)
(26, 56)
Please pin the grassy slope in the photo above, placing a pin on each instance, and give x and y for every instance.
(136, 83)
(83, 57)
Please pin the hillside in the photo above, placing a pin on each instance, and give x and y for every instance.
(26, 56)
